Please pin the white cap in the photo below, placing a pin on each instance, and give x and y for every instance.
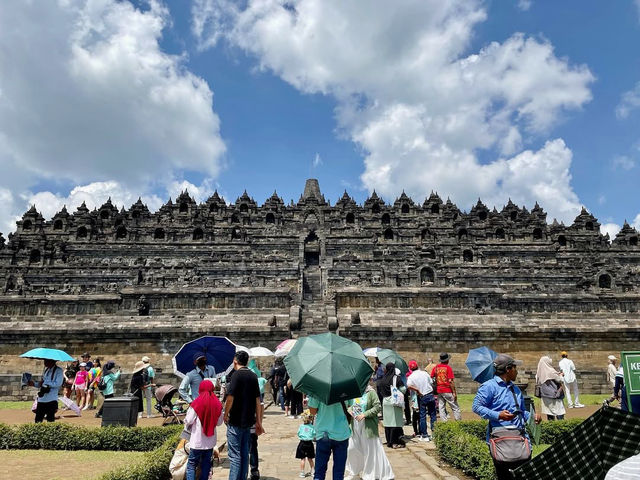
(612, 357)
(83, 364)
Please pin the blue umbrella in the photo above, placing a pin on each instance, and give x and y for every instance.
(48, 354)
(480, 364)
(218, 350)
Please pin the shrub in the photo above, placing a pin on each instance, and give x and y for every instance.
(477, 428)
(154, 466)
(464, 450)
(551, 431)
(463, 445)
(61, 436)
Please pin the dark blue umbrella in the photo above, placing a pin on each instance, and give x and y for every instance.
(48, 354)
(480, 364)
(218, 350)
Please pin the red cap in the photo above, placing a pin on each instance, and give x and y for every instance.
(413, 365)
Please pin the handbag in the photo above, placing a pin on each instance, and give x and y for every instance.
(178, 465)
(536, 391)
(509, 444)
(397, 397)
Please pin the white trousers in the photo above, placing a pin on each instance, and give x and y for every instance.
(570, 388)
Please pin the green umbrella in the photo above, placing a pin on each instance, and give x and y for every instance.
(387, 355)
(328, 367)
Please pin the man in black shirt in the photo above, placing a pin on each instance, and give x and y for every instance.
(242, 410)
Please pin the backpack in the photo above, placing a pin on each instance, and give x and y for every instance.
(102, 385)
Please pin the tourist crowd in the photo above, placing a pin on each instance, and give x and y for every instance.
(346, 431)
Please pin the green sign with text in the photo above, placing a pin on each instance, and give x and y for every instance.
(631, 366)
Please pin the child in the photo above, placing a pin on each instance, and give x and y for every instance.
(80, 384)
(305, 450)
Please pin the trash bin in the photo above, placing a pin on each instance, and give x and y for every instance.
(121, 411)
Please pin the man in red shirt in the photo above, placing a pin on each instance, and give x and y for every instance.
(443, 379)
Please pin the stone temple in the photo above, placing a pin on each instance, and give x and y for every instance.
(419, 278)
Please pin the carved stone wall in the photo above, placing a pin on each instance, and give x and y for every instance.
(404, 269)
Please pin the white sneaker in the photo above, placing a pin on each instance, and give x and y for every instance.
(570, 406)
(579, 405)
(302, 475)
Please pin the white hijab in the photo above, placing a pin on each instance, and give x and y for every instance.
(546, 371)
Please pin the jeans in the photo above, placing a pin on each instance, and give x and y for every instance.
(253, 457)
(503, 470)
(202, 457)
(324, 447)
(427, 404)
(281, 397)
(238, 440)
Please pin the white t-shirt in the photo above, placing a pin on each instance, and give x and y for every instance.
(569, 370)
(420, 380)
(628, 469)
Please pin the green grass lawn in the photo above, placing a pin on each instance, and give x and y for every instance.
(15, 405)
(465, 400)
(61, 464)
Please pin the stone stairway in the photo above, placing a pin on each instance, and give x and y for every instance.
(314, 314)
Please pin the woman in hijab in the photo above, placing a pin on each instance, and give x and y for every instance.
(365, 457)
(392, 417)
(137, 384)
(203, 416)
(551, 391)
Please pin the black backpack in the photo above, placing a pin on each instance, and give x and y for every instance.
(102, 384)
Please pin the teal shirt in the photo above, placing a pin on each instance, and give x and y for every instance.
(306, 432)
(261, 383)
(331, 420)
(109, 380)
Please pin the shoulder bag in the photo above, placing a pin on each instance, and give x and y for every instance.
(397, 397)
(509, 444)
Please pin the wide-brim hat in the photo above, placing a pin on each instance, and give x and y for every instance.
(138, 366)
(444, 357)
(145, 359)
(612, 357)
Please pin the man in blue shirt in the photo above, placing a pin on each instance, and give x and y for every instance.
(51, 382)
(191, 382)
(501, 402)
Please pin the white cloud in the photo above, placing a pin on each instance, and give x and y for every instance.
(89, 97)
(317, 161)
(630, 100)
(524, 5)
(93, 195)
(623, 162)
(199, 193)
(410, 93)
(611, 228)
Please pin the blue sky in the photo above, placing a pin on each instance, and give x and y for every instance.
(529, 100)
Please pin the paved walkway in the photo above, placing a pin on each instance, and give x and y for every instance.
(278, 446)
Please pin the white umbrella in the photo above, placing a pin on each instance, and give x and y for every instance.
(371, 352)
(260, 352)
(71, 405)
(240, 348)
(285, 347)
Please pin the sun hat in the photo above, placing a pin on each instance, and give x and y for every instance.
(138, 366)
(612, 357)
(444, 357)
(146, 359)
(563, 353)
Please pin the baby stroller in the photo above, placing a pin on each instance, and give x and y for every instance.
(173, 414)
